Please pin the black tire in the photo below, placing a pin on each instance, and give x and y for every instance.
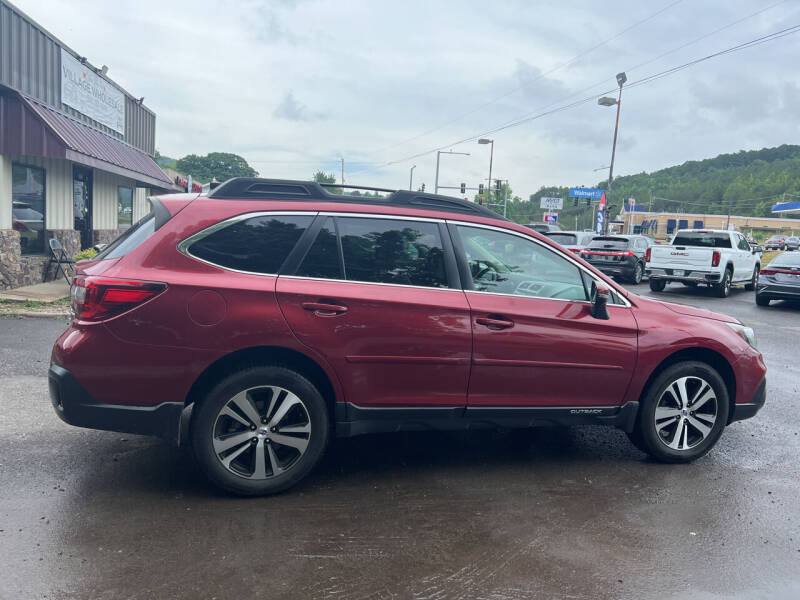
(657, 285)
(205, 422)
(753, 280)
(638, 273)
(646, 437)
(762, 300)
(723, 288)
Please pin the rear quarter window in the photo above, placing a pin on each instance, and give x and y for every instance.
(131, 239)
(255, 245)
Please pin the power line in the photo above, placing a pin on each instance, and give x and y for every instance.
(535, 79)
(650, 78)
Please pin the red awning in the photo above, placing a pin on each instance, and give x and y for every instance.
(29, 128)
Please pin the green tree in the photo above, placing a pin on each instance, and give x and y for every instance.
(323, 177)
(215, 165)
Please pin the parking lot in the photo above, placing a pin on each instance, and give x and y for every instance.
(575, 513)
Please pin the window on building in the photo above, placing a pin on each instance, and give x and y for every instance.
(28, 207)
(124, 207)
(392, 251)
(256, 245)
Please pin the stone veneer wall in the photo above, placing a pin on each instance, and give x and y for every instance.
(17, 270)
(105, 236)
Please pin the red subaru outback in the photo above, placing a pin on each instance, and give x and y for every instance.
(261, 320)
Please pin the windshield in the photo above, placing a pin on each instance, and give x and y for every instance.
(609, 243)
(702, 239)
(565, 239)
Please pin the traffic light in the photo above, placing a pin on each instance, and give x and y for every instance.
(480, 189)
(423, 187)
(498, 184)
(480, 200)
(574, 202)
(463, 188)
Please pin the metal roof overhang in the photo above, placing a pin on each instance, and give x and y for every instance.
(28, 128)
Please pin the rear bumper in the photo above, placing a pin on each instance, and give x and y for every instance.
(685, 275)
(75, 406)
(778, 291)
(624, 270)
(748, 410)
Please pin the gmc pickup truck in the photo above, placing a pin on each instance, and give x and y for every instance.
(716, 258)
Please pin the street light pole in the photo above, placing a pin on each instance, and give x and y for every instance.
(439, 153)
(411, 177)
(606, 101)
(491, 158)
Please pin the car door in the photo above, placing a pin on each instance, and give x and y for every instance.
(746, 258)
(379, 298)
(535, 342)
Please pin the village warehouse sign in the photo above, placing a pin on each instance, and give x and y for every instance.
(90, 94)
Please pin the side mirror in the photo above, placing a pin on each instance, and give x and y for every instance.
(600, 296)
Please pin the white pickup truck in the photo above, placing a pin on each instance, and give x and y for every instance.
(716, 258)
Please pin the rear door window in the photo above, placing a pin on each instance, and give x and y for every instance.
(702, 239)
(323, 260)
(392, 251)
(256, 245)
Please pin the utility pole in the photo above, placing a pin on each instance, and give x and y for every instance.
(411, 177)
(505, 200)
(605, 101)
(343, 170)
(730, 206)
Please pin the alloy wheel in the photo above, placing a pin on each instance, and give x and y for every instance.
(686, 413)
(261, 432)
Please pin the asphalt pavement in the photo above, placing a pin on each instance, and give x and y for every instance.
(560, 513)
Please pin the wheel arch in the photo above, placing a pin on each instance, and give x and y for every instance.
(264, 355)
(705, 355)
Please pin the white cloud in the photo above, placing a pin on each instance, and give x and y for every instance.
(295, 85)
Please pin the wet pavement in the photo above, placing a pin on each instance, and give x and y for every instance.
(566, 513)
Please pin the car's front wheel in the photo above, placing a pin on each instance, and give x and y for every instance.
(682, 413)
(260, 430)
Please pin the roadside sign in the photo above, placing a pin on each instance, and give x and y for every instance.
(550, 218)
(552, 203)
(592, 193)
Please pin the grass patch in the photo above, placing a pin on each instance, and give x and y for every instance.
(767, 256)
(34, 304)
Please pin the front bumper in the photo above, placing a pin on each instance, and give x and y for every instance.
(685, 275)
(748, 410)
(75, 406)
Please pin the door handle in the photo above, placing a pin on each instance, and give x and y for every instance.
(324, 309)
(495, 324)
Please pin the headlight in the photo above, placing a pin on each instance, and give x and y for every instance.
(746, 333)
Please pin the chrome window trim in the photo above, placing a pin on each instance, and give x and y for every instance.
(625, 302)
(184, 245)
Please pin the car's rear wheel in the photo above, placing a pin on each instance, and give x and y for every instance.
(657, 285)
(762, 300)
(753, 280)
(260, 430)
(682, 413)
(723, 288)
(637, 274)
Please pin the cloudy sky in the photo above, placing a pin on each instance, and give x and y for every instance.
(295, 85)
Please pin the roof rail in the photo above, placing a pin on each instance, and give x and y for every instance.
(255, 188)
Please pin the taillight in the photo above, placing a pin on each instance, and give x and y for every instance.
(715, 258)
(647, 255)
(575, 250)
(627, 253)
(767, 272)
(98, 299)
